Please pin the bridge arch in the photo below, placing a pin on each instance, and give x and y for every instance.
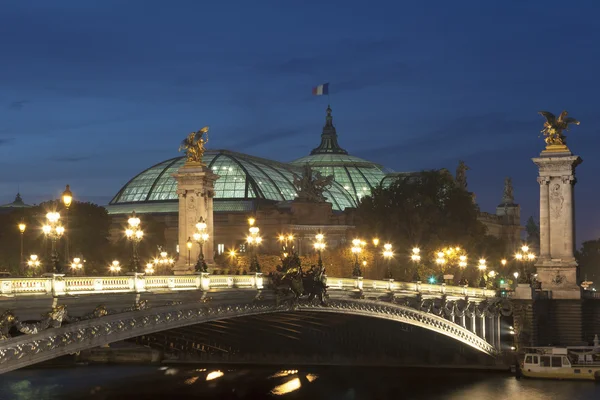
(25, 350)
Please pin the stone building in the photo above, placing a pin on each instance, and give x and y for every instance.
(264, 189)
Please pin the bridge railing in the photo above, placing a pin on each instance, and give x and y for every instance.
(58, 285)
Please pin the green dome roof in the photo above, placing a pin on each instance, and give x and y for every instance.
(241, 176)
(356, 175)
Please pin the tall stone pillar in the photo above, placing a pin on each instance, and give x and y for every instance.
(195, 189)
(556, 266)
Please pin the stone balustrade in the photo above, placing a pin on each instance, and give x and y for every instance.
(60, 285)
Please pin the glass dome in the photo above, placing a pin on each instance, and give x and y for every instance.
(356, 175)
(242, 177)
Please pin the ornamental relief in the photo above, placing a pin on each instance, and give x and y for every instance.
(556, 200)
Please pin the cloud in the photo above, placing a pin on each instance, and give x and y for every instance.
(17, 105)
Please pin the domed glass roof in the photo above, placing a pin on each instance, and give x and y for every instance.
(356, 175)
(241, 176)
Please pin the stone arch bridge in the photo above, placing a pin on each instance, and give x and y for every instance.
(45, 318)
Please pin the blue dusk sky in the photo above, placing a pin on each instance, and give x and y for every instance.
(93, 92)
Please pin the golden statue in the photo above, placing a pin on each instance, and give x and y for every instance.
(193, 146)
(554, 127)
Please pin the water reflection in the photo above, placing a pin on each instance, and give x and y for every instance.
(288, 387)
(291, 382)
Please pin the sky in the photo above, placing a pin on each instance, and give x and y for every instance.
(92, 93)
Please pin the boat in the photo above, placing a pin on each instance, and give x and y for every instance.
(568, 363)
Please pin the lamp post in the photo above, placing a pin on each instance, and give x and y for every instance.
(76, 266)
(415, 257)
(253, 240)
(67, 199)
(135, 234)
(524, 257)
(388, 254)
(189, 247)
(319, 245)
(163, 261)
(22, 228)
(492, 275)
(54, 231)
(201, 236)
(286, 239)
(114, 268)
(482, 267)
(356, 250)
(33, 261)
(376, 256)
(149, 269)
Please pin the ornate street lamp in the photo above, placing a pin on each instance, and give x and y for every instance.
(492, 274)
(524, 258)
(67, 199)
(356, 250)
(319, 245)
(482, 267)
(22, 228)
(189, 247)
(33, 261)
(286, 239)
(114, 268)
(254, 240)
(149, 269)
(53, 230)
(76, 266)
(163, 262)
(134, 233)
(388, 254)
(415, 257)
(201, 236)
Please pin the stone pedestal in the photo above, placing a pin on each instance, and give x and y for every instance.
(195, 189)
(556, 265)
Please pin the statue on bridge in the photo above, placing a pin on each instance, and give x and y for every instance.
(193, 145)
(554, 127)
(290, 279)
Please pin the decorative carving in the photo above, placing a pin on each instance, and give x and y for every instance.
(554, 127)
(461, 174)
(559, 279)
(556, 200)
(311, 185)
(543, 180)
(191, 203)
(193, 145)
(568, 179)
(7, 320)
(508, 196)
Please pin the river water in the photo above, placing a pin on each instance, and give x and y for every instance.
(228, 382)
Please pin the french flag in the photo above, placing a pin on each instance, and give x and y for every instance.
(321, 90)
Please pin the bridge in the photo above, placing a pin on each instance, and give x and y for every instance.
(48, 317)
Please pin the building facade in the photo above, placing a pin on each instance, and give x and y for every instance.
(264, 189)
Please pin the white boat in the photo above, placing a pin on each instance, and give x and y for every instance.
(578, 363)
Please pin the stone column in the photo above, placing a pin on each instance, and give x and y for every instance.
(544, 219)
(556, 266)
(195, 190)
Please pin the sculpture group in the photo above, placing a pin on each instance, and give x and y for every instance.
(193, 145)
(554, 127)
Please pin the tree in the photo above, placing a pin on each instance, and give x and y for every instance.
(88, 231)
(588, 258)
(430, 212)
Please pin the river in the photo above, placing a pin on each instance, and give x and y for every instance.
(243, 382)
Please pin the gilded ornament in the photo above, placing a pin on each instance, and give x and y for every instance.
(194, 145)
(553, 130)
